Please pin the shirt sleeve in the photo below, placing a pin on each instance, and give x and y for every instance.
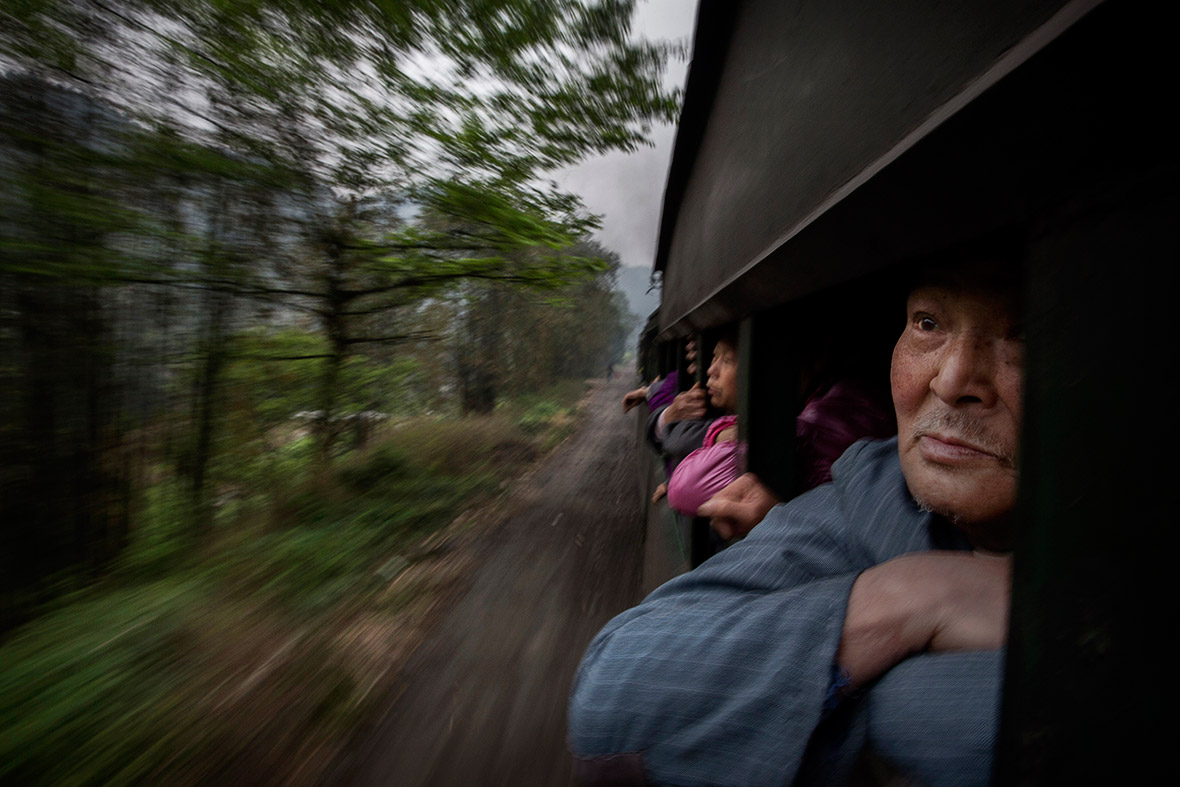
(720, 676)
(655, 434)
(662, 395)
(684, 437)
(934, 717)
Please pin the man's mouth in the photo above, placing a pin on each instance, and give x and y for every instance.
(951, 450)
(958, 439)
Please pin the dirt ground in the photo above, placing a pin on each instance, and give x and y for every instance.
(483, 701)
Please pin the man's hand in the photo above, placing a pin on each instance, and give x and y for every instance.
(738, 507)
(633, 398)
(687, 406)
(933, 601)
(660, 493)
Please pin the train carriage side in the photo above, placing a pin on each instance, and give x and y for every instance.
(823, 148)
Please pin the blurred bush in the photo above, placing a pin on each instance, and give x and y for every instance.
(193, 660)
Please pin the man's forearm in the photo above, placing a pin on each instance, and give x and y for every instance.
(663, 679)
(881, 627)
(931, 601)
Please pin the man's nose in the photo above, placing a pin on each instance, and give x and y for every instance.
(966, 373)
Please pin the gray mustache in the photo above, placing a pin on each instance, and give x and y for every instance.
(965, 427)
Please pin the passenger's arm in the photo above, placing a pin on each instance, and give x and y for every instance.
(684, 437)
(688, 405)
(735, 510)
(934, 601)
(654, 428)
(721, 675)
(935, 717)
(687, 408)
(633, 398)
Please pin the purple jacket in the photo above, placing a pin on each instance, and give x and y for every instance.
(834, 418)
(664, 392)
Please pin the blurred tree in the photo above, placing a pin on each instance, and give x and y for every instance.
(513, 341)
(454, 108)
(225, 164)
(64, 482)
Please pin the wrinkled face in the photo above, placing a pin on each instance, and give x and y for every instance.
(958, 377)
(723, 377)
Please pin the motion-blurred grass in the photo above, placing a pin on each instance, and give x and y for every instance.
(237, 659)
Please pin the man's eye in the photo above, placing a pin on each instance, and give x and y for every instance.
(925, 323)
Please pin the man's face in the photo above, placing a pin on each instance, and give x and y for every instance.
(958, 378)
(723, 377)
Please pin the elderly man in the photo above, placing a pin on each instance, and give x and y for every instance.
(859, 627)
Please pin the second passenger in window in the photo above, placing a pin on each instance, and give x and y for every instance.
(720, 459)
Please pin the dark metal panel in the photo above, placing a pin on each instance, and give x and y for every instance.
(812, 100)
(769, 370)
(666, 550)
(1093, 592)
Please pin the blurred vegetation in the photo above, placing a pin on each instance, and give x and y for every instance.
(172, 665)
(220, 220)
(283, 288)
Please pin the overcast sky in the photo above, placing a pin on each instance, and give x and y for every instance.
(628, 189)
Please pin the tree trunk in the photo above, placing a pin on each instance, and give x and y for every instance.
(205, 412)
(333, 320)
(479, 356)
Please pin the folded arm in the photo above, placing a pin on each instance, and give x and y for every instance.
(720, 676)
(723, 675)
(934, 601)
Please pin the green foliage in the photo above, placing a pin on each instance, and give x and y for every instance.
(386, 463)
(327, 549)
(267, 164)
(217, 215)
(539, 416)
(513, 342)
(271, 374)
(161, 544)
(337, 91)
(86, 691)
(550, 414)
(116, 683)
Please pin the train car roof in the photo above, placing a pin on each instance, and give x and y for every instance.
(803, 121)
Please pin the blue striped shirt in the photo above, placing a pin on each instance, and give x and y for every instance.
(720, 676)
